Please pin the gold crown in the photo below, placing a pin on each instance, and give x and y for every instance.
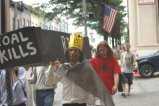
(76, 40)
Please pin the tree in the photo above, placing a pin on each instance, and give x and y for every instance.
(120, 25)
(37, 11)
(73, 9)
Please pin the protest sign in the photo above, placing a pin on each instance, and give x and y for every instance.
(34, 45)
(31, 45)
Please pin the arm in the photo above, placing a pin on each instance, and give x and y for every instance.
(60, 69)
(50, 76)
(117, 71)
(14, 70)
(135, 62)
(116, 80)
(33, 76)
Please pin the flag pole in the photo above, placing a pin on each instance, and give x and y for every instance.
(85, 17)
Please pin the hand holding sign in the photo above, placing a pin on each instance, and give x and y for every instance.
(55, 64)
(32, 45)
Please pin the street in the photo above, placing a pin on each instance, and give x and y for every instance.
(144, 92)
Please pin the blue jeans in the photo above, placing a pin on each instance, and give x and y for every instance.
(45, 97)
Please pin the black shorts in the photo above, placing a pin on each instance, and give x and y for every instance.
(124, 79)
(127, 78)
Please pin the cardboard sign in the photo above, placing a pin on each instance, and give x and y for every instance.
(33, 45)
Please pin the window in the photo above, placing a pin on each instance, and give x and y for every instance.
(18, 24)
(28, 23)
(13, 23)
(23, 22)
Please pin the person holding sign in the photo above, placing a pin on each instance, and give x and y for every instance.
(78, 77)
(73, 94)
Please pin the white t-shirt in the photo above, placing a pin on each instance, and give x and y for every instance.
(127, 61)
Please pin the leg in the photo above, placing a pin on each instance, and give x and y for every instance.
(124, 87)
(130, 81)
(49, 97)
(129, 87)
(39, 98)
(124, 83)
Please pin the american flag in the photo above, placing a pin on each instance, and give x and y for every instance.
(109, 18)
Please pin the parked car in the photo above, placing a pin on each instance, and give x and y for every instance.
(149, 64)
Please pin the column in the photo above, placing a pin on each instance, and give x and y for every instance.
(132, 9)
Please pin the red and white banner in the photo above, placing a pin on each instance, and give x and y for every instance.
(146, 2)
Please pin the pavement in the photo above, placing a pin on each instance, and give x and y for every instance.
(144, 92)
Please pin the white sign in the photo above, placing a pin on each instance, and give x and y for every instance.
(22, 47)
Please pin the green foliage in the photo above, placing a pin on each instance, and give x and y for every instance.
(126, 35)
(74, 9)
(37, 11)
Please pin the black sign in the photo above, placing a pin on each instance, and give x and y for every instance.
(33, 45)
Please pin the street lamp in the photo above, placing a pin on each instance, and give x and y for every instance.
(86, 49)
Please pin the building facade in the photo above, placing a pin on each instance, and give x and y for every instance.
(20, 17)
(144, 25)
(15, 15)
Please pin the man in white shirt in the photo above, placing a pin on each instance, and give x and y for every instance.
(79, 78)
(46, 82)
(73, 95)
